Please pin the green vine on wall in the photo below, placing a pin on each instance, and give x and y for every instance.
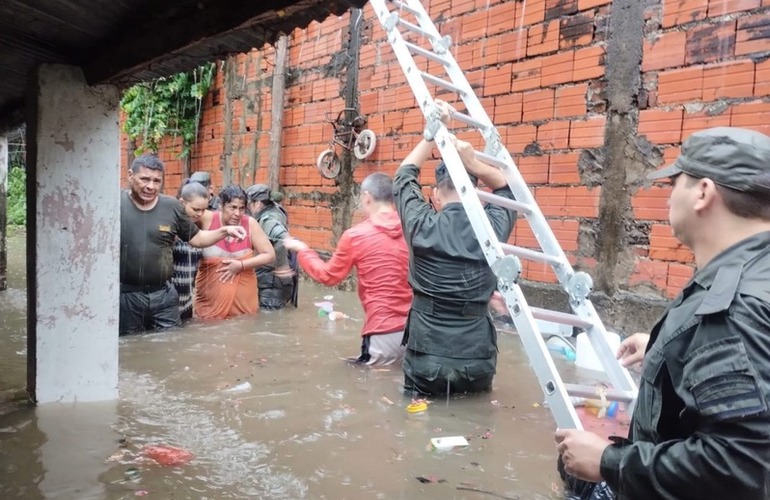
(167, 107)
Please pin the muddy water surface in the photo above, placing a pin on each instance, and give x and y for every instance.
(269, 410)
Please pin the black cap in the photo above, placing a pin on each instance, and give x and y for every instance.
(258, 192)
(443, 173)
(731, 157)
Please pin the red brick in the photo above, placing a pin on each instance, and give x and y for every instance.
(731, 79)
(570, 101)
(762, 78)
(474, 25)
(680, 85)
(526, 75)
(566, 231)
(683, 11)
(538, 105)
(583, 202)
(513, 45)
(652, 203)
(458, 7)
(497, 80)
(524, 237)
(661, 127)
(533, 13)
(678, 277)
(589, 4)
(721, 7)
(665, 246)
(489, 51)
(588, 63)
(562, 169)
(753, 34)
(710, 42)
(519, 136)
(754, 115)
(553, 135)
(543, 38)
(693, 122)
(534, 169)
(587, 133)
(665, 51)
(557, 68)
(507, 108)
(501, 17)
(536, 271)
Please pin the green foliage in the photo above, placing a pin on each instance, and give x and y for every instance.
(17, 196)
(167, 107)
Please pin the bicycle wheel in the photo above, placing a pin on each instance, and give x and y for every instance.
(365, 143)
(328, 164)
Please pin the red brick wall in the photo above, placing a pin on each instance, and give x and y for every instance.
(539, 66)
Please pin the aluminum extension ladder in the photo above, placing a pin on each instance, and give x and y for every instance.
(502, 257)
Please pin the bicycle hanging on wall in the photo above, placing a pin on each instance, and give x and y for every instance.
(349, 133)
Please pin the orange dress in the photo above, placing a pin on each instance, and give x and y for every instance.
(217, 300)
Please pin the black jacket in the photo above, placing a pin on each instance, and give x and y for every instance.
(701, 428)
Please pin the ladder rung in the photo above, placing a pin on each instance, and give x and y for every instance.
(526, 253)
(560, 317)
(416, 49)
(587, 391)
(492, 160)
(469, 120)
(442, 83)
(414, 28)
(504, 202)
(403, 6)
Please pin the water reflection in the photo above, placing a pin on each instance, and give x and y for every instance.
(269, 410)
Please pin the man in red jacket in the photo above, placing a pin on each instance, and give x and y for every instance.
(377, 249)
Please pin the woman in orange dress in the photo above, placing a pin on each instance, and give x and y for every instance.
(226, 285)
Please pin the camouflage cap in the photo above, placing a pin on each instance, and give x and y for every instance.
(258, 192)
(201, 178)
(731, 157)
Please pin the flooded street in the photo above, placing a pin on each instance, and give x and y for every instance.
(268, 410)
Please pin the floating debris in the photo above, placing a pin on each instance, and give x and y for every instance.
(417, 406)
(167, 455)
(430, 479)
(242, 387)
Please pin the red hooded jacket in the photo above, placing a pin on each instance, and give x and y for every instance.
(381, 257)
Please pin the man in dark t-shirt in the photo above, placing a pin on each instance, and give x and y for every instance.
(149, 224)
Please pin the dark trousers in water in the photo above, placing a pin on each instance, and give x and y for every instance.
(277, 292)
(144, 308)
(437, 375)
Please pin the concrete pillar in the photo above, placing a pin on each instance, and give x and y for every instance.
(73, 238)
(3, 212)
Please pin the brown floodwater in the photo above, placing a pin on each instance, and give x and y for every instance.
(268, 409)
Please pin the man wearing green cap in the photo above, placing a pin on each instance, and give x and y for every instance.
(451, 343)
(701, 427)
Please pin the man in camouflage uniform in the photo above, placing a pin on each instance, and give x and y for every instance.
(278, 282)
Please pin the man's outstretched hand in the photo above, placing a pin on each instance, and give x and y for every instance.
(632, 349)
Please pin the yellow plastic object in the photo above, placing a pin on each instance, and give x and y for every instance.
(417, 407)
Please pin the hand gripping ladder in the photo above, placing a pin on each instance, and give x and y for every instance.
(502, 258)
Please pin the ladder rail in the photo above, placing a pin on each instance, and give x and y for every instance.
(497, 155)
